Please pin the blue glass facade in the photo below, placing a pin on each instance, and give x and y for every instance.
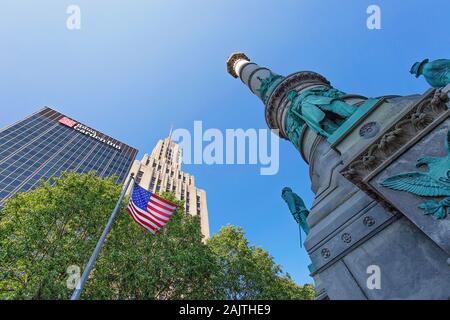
(47, 143)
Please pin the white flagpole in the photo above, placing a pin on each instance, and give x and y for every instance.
(87, 270)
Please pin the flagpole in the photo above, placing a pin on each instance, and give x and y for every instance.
(87, 270)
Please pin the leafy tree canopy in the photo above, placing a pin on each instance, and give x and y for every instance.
(249, 272)
(45, 231)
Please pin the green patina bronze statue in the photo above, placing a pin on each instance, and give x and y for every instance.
(268, 84)
(297, 208)
(436, 73)
(433, 183)
(321, 109)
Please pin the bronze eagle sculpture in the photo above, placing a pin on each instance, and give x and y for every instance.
(433, 183)
(436, 73)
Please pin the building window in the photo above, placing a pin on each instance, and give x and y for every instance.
(152, 183)
(139, 176)
(198, 204)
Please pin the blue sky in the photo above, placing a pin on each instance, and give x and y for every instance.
(136, 67)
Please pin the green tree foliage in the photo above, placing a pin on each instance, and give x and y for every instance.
(43, 232)
(175, 264)
(248, 272)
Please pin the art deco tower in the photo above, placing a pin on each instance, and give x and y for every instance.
(161, 171)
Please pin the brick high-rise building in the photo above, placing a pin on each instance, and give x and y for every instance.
(161, 171)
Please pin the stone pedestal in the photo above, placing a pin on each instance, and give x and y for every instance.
(357, 223)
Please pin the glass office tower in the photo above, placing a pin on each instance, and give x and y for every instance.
(46, 143)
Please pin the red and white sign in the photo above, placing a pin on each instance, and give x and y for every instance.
(68, 122)
(89, 132)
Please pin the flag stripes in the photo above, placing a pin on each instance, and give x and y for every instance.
(149, 210)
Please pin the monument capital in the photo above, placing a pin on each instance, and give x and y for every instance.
(234, 63)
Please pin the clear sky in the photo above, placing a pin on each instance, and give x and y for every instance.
(136, 67)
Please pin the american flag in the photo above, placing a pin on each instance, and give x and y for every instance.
(149, 210)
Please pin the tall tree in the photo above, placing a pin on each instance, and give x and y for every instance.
(175, 264)
(45, 231)
(248, 272)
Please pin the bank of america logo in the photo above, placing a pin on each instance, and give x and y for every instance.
(68, 122)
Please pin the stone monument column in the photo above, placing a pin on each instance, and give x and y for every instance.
(368, 215)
